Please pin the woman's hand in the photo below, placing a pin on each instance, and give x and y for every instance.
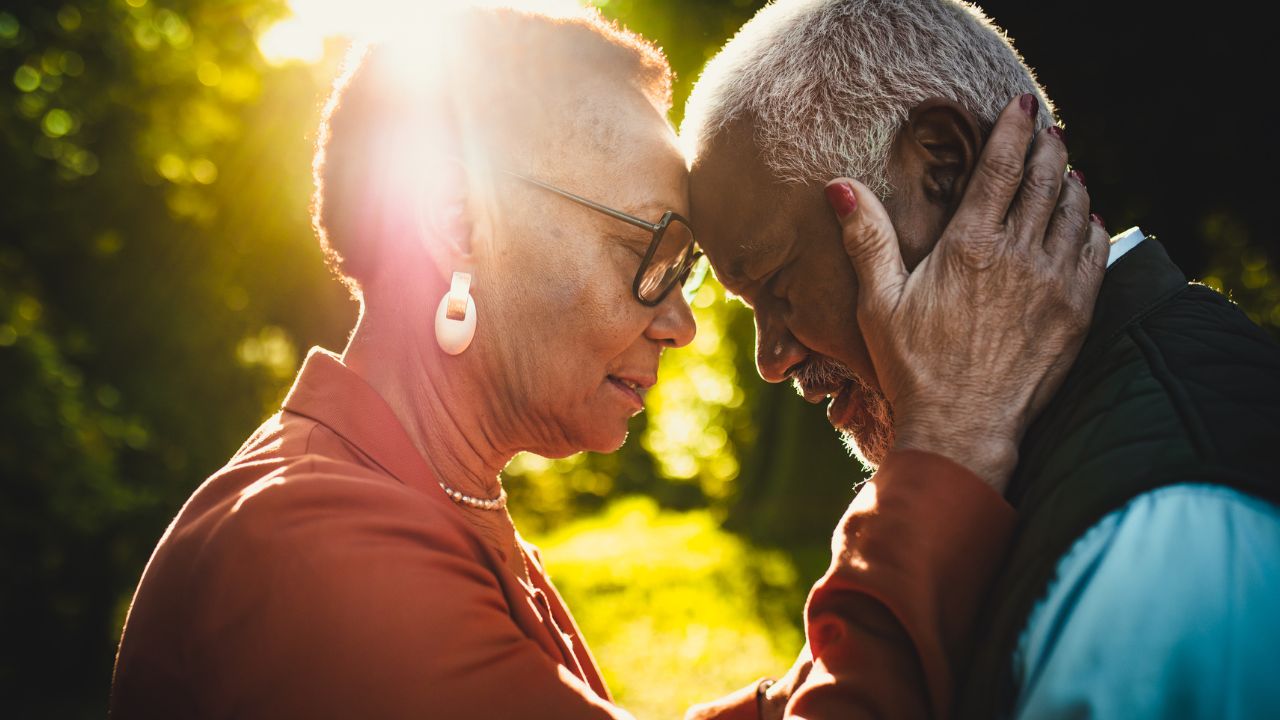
(973, 342)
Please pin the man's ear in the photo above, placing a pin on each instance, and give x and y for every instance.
(943, 140)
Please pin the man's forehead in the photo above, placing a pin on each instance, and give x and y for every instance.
(737, 208)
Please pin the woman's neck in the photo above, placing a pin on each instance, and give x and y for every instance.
(443, 417)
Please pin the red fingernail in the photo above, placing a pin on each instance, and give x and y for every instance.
(1057, 132)
(1097, 219)
(1029, 104)
(1079, 176)
(841, 197)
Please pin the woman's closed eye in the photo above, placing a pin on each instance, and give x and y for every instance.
(634, 245)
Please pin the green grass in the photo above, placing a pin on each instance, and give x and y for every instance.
(676, 610)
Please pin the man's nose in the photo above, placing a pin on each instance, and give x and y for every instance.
(777, 350)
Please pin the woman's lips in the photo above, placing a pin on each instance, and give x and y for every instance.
(630, 389)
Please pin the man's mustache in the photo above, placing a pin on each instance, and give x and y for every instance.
(822, 374)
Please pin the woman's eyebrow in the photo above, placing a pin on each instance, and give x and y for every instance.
(649, 211)
(635, 238)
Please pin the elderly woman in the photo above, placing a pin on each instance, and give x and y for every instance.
(355, 557)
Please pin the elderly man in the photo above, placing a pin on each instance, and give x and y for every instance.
(1144, 572)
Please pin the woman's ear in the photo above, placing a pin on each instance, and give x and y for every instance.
(448, 224)
(942, 141)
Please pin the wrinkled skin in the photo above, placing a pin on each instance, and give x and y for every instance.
(997, 221)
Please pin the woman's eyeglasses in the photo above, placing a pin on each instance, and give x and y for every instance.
(672, 258)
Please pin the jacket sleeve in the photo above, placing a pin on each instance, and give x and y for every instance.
(890, 622)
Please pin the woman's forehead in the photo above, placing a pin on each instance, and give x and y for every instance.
(648, 177)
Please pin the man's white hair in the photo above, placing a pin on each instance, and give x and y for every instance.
(828, 83)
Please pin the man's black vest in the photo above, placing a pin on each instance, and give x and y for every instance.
(1173, 385)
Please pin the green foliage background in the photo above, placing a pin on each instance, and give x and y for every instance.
(159, 284)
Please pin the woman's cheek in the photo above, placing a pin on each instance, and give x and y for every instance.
(606, 305)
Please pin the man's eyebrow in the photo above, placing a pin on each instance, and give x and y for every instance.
(734, 274)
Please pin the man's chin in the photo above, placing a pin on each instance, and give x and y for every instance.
(865, 423)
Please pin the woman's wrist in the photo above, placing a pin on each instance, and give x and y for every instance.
(989, 450)
(762, 697)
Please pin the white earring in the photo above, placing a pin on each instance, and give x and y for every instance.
(456, 316)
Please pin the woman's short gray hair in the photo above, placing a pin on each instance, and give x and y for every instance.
(828, 83)
(502, 78)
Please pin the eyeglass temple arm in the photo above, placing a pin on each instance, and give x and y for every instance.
(629, 219)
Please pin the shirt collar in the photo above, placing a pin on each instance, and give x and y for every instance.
(332, 394)
(1123, 243)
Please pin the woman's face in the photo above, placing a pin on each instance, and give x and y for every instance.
(574, 348)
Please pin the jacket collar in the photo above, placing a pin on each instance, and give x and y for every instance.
(1136, 284)
(1138, 281)
(330, 393)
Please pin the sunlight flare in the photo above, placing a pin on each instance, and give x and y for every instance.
(301, 36)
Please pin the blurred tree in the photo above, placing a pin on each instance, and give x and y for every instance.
(1157, 110)
(151, 262)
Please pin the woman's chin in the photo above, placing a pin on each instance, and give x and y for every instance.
(609, 443)
(606, 435)
(595, 435)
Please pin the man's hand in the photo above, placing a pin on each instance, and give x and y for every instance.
(973, 342)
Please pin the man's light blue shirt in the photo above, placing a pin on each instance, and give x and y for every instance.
(1166, 608)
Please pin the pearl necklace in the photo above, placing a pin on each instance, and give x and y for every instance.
(497, 503)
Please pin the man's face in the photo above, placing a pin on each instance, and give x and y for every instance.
(778, 247)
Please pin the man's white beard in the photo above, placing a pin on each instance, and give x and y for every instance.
(870, 437)
(871, 440)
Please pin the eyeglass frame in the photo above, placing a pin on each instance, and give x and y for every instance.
(658, 229)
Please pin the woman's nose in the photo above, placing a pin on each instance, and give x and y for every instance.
(674, 325)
